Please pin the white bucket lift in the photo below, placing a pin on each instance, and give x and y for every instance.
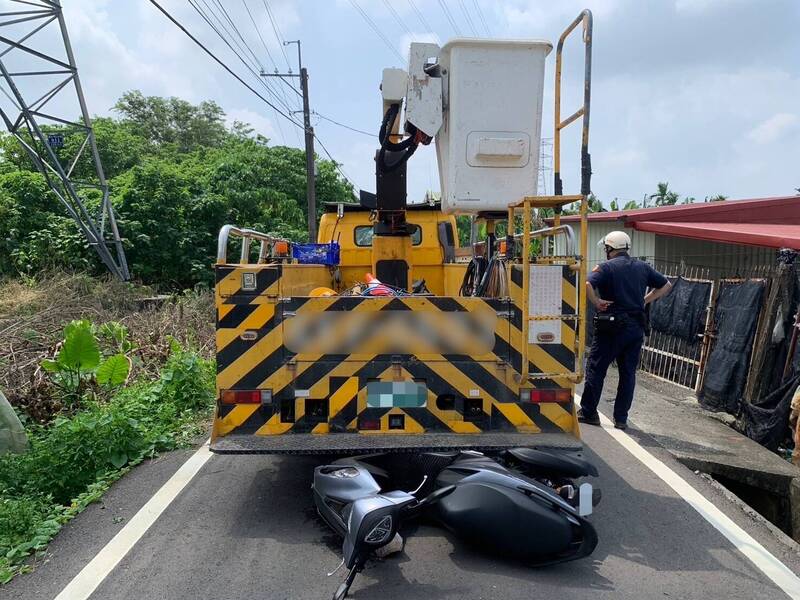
(488, 145)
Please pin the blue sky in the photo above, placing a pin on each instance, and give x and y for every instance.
(700, 93)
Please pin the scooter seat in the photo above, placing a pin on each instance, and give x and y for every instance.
(550, 463)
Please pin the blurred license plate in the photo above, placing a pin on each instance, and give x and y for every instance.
(402, 394)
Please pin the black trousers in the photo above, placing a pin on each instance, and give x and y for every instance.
(625, 346)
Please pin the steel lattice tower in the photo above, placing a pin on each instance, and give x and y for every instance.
(38, 72)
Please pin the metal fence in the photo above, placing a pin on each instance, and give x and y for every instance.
(680, 360)
(674, 358)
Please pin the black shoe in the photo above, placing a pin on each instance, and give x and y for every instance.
(588, 419)
(620, 425)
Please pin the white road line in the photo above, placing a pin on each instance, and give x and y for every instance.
(773, 568)
(93, 574)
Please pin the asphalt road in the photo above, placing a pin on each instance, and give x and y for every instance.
(244, 528)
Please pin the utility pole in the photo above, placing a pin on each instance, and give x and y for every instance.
(311, 183)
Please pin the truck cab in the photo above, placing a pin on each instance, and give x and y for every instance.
(435, 252)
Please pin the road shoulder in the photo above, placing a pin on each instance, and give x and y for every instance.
(83, 537)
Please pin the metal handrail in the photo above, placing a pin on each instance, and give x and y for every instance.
(247, 235)
(584, 18)
(586, 167)
(566, 230)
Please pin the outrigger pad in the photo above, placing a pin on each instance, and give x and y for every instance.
(357, 443)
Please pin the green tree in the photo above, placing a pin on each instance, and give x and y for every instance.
(169, 227)
(717, 198)
(35, 232)
(173, 121)
(119, 146)
(594, 204)
(664, 196)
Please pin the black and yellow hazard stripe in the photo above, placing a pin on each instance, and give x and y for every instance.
(327, 393)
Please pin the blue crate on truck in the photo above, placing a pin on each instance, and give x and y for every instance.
(316, 254)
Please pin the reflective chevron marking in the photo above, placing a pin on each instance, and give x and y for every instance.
(298, 381)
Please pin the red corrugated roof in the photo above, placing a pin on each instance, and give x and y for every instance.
(765, 210)
(750, 234)
(770, 222)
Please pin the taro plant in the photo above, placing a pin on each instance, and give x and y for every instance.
(116, 336)
(79, 363)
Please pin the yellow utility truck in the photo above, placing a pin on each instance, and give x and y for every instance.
(386, 334)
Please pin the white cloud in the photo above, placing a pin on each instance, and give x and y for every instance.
(108, 66)
(773, 128)
(259, 122)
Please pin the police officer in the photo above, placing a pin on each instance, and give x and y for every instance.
(617, 288)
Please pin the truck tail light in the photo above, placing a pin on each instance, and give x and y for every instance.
(369, 424)
(246, 396)
(540, 396)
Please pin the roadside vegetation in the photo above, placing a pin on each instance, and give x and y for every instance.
(101, 380)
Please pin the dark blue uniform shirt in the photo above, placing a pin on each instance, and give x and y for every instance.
(624, 281)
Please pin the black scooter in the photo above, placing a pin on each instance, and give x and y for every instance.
(523, 503)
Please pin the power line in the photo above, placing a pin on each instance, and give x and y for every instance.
(248, 86)
(424, 21)
(275, 65)
(278, 35)
(333, 160)
(375, 28)
(258, 32)
(258, 63)
(222, 64)
(481, 17)
(372, 135)
(239, 34)
(449, 17)
(467, 17)
(239, 56)
(281, 45)
(397, 18)
(221, 25)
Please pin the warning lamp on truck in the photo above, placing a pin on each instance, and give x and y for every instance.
(246, 396)
(535, 396)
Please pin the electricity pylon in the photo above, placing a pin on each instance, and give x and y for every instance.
(39, 78)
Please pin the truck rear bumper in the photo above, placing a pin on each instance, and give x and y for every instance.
(358, 443)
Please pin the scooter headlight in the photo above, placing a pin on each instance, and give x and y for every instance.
(381, 532)
(345, 473)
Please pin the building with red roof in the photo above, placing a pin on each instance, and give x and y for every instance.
(729, 237)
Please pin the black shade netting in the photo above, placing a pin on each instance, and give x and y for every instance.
(767, 420)
(735, 321)
(682, 312)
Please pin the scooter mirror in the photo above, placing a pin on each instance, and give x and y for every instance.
(373, 522)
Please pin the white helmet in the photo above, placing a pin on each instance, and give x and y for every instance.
(616, 240)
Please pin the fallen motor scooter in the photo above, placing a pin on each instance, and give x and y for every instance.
(522, 504)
